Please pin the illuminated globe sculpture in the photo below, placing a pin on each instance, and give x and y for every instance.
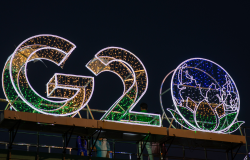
(205, 97)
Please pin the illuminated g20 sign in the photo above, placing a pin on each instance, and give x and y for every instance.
(75, 91)
(205, 97)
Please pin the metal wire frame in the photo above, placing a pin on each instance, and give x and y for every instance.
(164, 115)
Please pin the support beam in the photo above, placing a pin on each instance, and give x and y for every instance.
(66, 140)
(93, 145)
(227, 155)
(87, 112)
(237, 151)
(246, 143)
(165, 91)
(137, 148)
(37, 147)
(231, 154)
(8, 106)
(184, 155)
(171, 122)
(3, 100)
(12, 135)
(160, 146)
(113, 149)
(168, 147)
(79, 114)
(90, 112)
(142, 148)
(205, 153)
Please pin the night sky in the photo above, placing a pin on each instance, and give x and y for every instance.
(161, 33)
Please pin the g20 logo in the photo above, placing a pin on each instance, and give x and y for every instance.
(204, 95)
(75, 91)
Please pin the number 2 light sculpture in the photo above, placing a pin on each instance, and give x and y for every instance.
(135, 81)
(205, 97)
(74, 91)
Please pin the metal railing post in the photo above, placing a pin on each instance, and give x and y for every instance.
(205, 153)
(183, 152)
(137, 148)
(37, 146)
(10, 147)
(87, 112)
(63, 154)
(246, 143)
(160, 145)
(113, 149)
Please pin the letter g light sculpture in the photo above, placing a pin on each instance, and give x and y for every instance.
(75, 91)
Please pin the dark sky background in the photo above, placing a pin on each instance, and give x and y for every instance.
(161, 33)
